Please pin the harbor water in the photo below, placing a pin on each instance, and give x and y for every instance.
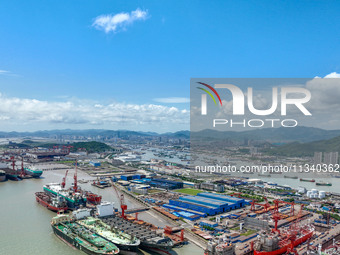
(25, 224)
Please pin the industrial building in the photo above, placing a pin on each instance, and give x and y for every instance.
(45, 155)
(211, 186)
(95, 163)
(166, 184)
(207, 203)
(239, 202)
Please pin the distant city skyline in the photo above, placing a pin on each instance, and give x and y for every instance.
(127, 64)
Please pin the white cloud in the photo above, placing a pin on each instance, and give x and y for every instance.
(117, 22)
(172, 100)
(31, 112)
(333, 75)
(4, 72)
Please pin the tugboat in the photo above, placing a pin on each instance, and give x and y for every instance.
(52, 203)
(80, 237)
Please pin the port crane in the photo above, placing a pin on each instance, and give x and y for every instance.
(63, 183)
(123, 206)
(75, 178)
(22, 172)
(266, 205)
(277, 205)
(67, 148)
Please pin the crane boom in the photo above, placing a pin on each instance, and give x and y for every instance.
(123, 206)
(64, 180)
(75, 177)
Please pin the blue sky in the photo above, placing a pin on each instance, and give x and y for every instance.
(53, 55)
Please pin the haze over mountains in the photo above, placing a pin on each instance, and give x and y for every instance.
(273, 135)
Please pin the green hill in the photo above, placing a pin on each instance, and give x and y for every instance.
(91, 147)
(305, 149)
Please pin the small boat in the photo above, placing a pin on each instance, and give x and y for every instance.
(264, 175)
(306, 180)
(323, 184)
(290, 177)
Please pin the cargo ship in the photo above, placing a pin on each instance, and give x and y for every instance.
(279, 243)
(2, 175)
(32, 171)
(323, 184)
(149, 238)
(81, 238)
(306, 180)
(11, 174)
(74, 199)
(264, 175)
(52, 203)
(122, 240)
(290, 177)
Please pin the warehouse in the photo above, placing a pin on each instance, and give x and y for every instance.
(209, 210)
(237, 202)
(166, 184)
(207, 203)
(220, 206)
(177, 208)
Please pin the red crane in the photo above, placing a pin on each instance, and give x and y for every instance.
(75, 177)
(123, 206)
(278, 202)
(23, 173)
(266, 205)
(276, 218)
(64, 180)
(67, 148)
(13, 163)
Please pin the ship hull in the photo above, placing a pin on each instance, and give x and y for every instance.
(44, 203)
(34, 174)
(306, 180)
(323, 184)
(72, 242)
(2, 178)
(13, 177)
(93, 198)
(155, 249)
(284, 249)
(123, 247)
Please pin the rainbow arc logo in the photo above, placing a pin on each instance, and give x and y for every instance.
(209, 93)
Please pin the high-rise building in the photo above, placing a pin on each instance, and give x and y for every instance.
(317, 157)
(331, 157)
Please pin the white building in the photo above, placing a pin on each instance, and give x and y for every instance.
(105, 209)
